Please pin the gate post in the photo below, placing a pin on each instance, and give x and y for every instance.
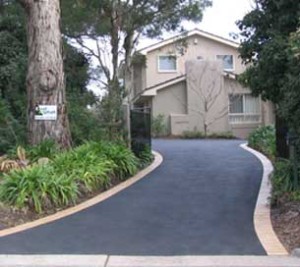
(127, 123)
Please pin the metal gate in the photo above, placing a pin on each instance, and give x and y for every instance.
(140, 125)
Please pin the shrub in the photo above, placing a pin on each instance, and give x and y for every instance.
(221, 135)
(37, 187)
(12, 131)
(145, 157)
(87, 168)
(59, 182)
(283, 186)
(126, 163)
(201, 135)
(45, 149)
(158, 126)
(192, 135)
(263, 139)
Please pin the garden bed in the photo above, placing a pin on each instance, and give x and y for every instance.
(42, 180)
(10, 216)
(285, 209)
(286, 223)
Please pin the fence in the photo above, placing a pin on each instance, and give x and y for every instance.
(140, 125)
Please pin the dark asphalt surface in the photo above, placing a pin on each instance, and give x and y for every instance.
(200, 201)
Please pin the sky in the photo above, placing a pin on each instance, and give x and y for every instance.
(219, 19)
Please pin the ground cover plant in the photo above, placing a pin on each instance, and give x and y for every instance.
(201, 135)
(66, 176)
(285, 198)
(263, 139)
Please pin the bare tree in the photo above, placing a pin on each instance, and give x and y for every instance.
(208, 98)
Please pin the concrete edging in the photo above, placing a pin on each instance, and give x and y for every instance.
(262, 215)
(84, 205)
(146, 261)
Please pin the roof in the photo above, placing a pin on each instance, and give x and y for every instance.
(152, 91)
(187, 34)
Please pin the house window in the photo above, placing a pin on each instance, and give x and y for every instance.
(167, 63)
(244, 108)
(227, 62)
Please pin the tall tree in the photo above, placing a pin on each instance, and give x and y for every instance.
(45, 75)
(120, 24)
(265, 31)
(271, 67)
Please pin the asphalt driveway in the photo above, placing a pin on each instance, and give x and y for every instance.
(200, 201)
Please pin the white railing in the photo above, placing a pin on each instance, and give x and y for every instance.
(239, 118)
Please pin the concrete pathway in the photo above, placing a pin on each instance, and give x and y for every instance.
(200, 201)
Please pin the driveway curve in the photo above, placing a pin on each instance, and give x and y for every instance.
(200, 201)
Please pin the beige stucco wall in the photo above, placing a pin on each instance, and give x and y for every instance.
(208, 104)
(183, 104)
(197, 46)
(171, 100)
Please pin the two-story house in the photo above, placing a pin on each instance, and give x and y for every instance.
(191, 81)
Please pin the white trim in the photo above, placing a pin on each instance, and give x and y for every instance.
(233, 62)
(259, 113)
(153, 91)
(190, 33)
(167, 71)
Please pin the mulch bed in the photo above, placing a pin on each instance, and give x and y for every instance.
(286, 223)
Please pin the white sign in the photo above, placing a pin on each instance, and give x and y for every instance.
(45, 112)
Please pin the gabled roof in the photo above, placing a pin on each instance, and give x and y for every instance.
(188, 34)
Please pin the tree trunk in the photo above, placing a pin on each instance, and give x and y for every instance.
(45, 76)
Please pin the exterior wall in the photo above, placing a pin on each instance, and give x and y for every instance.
(171, 100)
(197, 46)
(207, 99)
(139, 81)
(243, 130)
(183, 104)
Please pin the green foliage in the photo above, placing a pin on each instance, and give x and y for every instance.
(11, 130)
(37, 187)
(283, 182)
(105, 21)
(201, 135)
(145, 157)
(45, 149)
(126, 163)
(85, 124)
(85, 167)
(13, 65)
(158, 126)
(68, 175)
(263, 139)
(149, 17)
(266, 30)
(192, 135)
(270, 48)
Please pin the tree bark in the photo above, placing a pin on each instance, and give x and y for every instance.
(45, 74)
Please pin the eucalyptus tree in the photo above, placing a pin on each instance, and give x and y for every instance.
(45, 74)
